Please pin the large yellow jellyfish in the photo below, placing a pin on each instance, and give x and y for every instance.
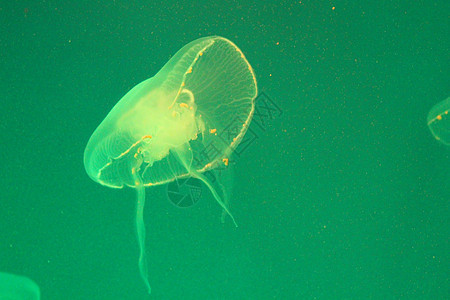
(160, 130)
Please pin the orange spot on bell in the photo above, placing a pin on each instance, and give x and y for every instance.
(225, 161)
(212, 130)
(439, 117)
(184, 105)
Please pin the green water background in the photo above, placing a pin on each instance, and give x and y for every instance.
(343, 196)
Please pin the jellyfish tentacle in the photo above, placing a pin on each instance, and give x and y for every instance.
(225, 175)
(206, 181)
(185, 156)
(140, 227)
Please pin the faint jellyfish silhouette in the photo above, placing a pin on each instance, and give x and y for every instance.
(438, 121)
(15, 287)
(162, 128)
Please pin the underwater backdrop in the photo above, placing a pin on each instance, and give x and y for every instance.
(340, 190)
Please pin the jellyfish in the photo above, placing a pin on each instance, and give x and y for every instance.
(438, 121)
(181, 123)
(17, 287)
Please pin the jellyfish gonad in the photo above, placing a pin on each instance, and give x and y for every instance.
(163, 129)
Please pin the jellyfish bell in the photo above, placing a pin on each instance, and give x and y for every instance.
(18, 287)
(162, 128)
(438, 121)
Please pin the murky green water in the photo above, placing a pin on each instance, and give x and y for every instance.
(340, 190)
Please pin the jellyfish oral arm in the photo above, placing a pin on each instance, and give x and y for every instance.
(140, 227)
(185, 156)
